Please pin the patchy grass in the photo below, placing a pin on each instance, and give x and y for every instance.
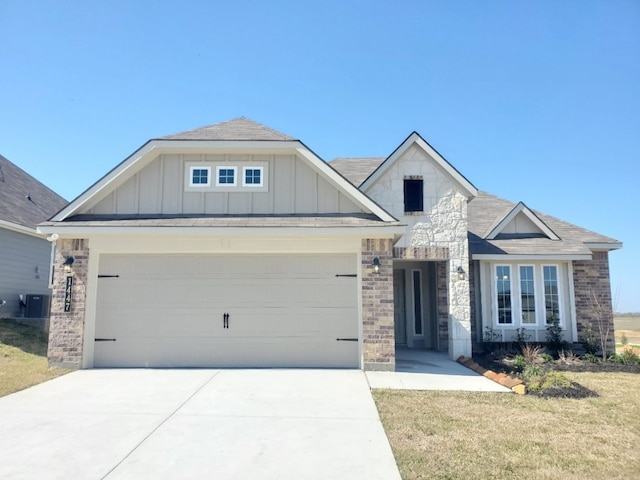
(23, 358)
(459, 435)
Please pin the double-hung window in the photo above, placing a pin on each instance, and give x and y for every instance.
(551, 293)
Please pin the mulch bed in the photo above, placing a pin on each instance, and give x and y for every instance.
(503, 364)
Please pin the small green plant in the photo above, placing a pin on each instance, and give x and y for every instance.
(589, 340)
(555, 340)
(519, 362)
(546, 357)
(591, 357)
(492, 339)
(627, 357)
(522, 336)
(532, 372)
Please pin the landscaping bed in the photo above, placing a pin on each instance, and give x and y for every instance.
(543, 373)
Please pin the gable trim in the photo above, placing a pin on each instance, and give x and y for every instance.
(150, 150)
(463, 184)
(509, 258)
(521, 208)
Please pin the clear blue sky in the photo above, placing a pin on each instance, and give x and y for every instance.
(531, 101)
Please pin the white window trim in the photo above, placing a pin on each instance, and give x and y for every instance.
(535, 296)
(192, 168)
(227, 167)
(496, 315)
(560, 295)
(244, 178)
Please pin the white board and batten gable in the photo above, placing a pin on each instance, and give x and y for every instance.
(236, 168)
(521, 220)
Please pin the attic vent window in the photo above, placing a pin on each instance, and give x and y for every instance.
(413, 194)
(226, 176)
(252, 177)
(200, 177)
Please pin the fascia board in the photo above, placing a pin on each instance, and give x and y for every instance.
(15, 227)
(104, 182)
(467, 187)
(74, 231)
(509, 258)
(153, 148)
(354, 193)
(595, 246)
(521, 208)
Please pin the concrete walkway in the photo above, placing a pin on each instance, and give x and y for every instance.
(429, 370)
(186, 424)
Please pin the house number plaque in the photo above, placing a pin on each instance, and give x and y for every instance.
(67, 294)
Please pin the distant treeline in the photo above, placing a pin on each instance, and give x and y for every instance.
(626, 314)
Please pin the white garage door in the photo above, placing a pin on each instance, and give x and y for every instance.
(227, 311)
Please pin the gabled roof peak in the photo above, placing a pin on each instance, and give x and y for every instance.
(241, 128)
(520, 209)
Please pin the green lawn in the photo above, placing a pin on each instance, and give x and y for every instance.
(23, 358)
(458, 435)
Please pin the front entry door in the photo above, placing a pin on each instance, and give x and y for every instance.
(399, 313)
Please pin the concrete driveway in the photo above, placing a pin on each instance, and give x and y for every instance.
(222, 424)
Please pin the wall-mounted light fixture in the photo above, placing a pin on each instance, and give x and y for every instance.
(461, 273)
(67, 264)
(376, 265)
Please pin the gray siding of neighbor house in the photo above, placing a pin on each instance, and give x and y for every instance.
(24, 269)
(159, 188)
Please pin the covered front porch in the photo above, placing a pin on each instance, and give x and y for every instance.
(431, 302)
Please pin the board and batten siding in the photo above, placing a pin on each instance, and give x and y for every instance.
(24, 269)
(159, 188)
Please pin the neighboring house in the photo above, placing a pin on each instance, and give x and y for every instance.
(235, 245)
(25, 256)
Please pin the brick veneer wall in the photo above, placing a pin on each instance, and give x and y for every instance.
(442, 286)
(592, 277)
(66, 329)
(378, 342)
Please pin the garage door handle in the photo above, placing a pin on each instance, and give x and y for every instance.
(225, 320)
(105, 339)
(346, 339)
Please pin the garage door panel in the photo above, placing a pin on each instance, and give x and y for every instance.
(167, 310)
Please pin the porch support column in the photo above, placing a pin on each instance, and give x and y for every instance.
(66, 328)
(459, 305)
(378, 335)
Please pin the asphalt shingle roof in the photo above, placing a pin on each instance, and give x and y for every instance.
(356, 170)
(241, 128)
(487, 210)
(23, 199)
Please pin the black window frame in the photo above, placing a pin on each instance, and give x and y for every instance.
(413, 195)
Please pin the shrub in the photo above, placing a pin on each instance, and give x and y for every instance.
(519, 362)
(627, 357)
(546, 357)
(589, 341)
(522, 336)
(555, 340)
(591, 357)
(531, 354)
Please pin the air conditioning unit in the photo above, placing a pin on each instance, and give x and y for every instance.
(37, 306)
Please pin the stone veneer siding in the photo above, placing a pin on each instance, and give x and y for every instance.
(66, 329)
(591, 277)
(378, 334)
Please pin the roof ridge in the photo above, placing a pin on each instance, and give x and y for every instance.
(239, 128)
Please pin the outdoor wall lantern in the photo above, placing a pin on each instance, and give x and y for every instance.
(67, 264)
(376, 265)
(461, 273)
